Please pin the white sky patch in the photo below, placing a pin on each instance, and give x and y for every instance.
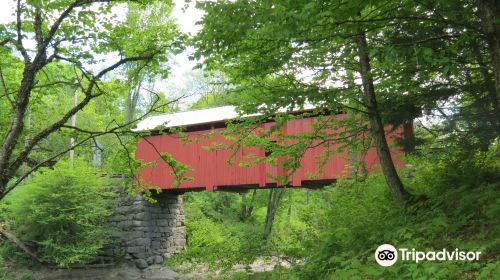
(181, 66)
(7, 9)
(187, 18)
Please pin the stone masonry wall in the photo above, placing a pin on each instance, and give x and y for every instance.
(151, 232)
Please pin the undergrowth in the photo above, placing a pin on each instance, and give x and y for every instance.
(455, 204)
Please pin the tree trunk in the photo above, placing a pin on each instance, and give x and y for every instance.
(12, 238)
(492, 95)
(243, 205)
(376, 125)
(250, 207)
(247, 208)
(489, 11)
(16, 126)
(133, 98)
(409, 137)
(289, 213)
(272, 204)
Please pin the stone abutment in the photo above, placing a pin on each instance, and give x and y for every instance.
(149, 232)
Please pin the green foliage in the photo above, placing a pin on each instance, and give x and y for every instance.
(216, 235)
(85, 49)
(220, 237)
(62, 212)
(436, 171)
(278, 273)
(363, 216)
(335, 235)
(179, 169)
(282, 54)
(4, 272)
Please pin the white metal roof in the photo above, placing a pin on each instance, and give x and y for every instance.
(188, 118)
(202, 116)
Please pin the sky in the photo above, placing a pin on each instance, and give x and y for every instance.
(187, 23)
(181, 67)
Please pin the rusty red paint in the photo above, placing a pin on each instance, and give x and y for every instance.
(210, 169)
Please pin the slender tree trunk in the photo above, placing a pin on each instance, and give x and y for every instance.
(490, 84)
(376, 125)
(409, 137)
(132, 100)
(243, 205)
(250, 207)
(489, 11)
(272, 204)
(289, 213)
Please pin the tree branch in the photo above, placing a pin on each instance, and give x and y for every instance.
(93, 134)
(55, 126)
(6, 90)
(5, 41)
(38, 26)
(19, 44)
(19, 244)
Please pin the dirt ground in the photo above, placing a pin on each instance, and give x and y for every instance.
(128, 271)
(119, 272)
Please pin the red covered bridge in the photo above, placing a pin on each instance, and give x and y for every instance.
(210, 169)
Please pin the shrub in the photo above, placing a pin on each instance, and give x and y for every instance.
(436, 172)
(364, 216)
(218, 244)
(4, 273)
(63, 212)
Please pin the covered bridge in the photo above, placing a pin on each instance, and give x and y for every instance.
(154, 231)
(210, 169)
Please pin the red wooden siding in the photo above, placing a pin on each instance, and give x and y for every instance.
(210, 169)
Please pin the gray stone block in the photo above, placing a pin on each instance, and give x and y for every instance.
(142, 241)
(142, 255)
(180, 242)
(158, 259)
(134, 249)
(155, 244)
(141, 263)
(141, 216)
(162, 222)
(135, 234)
(138, 223)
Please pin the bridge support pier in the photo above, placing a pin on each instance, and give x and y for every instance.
(150, 232)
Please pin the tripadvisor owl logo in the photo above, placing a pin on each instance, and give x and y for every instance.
(387, 255)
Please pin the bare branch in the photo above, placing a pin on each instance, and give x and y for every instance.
(129, 163)
(19, 44)
(38, 27)
(19, 244)
(5, 41)
(56, 83)
(6, 90)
